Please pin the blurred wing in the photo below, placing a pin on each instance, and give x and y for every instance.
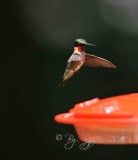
(94, 61)
(75, 57)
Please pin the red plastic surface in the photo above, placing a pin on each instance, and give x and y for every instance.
(121, 109)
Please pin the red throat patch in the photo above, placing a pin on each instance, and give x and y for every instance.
(79, 48)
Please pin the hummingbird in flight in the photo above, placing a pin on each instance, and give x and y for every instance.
(79, 58)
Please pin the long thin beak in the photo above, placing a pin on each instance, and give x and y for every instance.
(91, 44)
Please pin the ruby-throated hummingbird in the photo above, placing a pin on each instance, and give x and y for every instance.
(79, 58)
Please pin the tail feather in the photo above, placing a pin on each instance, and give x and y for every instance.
(63, 83)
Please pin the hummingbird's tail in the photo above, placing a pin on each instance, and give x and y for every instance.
(62, 83)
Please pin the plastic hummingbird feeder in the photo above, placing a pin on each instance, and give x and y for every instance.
(111, 120)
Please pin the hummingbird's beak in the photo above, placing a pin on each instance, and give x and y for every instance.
(90, 44)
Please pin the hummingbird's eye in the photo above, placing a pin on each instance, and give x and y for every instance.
(76, 44)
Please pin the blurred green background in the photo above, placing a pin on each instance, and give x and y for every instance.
(37, 39)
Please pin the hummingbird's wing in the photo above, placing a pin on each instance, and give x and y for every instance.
(94, 61)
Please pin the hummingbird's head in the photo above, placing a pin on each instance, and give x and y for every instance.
(81, 42)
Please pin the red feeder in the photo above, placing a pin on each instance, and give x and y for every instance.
(107, 121)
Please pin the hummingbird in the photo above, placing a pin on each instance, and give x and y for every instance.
(79, 58)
